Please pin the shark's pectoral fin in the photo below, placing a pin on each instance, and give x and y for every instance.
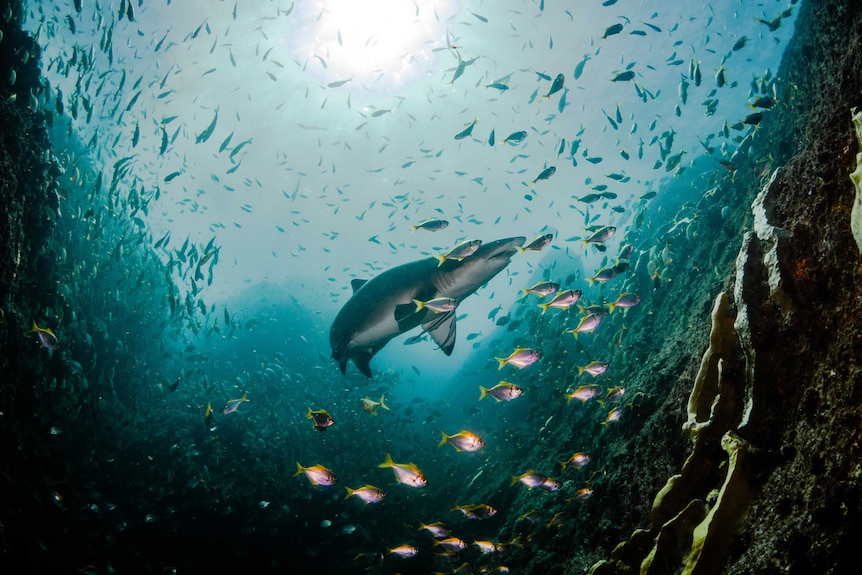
(442, 330)
(407, 316)
(362, 361)
(403, 311)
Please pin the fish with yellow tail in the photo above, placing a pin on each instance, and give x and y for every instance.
(581, 494)
(594, 368)
(370, 406)
(367, 493)
(476, 511)
(451, 543)
(529, 478)
(437, 305)
(463, 441)
(588, 323)
(316, 474)
(520, 358)
(613, 416)
(602, 276)
(579, 459)
(405, 551)
(460, 252)
(233, 404)
(562, 300)
(625, 300)
(614, 394)
(584, 393)
(436, 529)
(406, 473)
(600, 236)
(503, 391)
(537, 244)
(541, 289)
(46, 336)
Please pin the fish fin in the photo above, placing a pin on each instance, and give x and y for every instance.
(483, 393)
(442, 330)
(383, 405)
(362, 362)
(342, 363)
(544, 307)
(298, 469)
(445, 439)
(440, 259)
(387, 463)
(611, 307)
(355, 284)
(35, 328)
(349, 493)
(502, 361)
(403, 311)
(308, 415)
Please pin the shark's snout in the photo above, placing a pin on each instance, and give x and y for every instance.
(505, 248)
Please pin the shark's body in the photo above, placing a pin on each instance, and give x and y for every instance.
(383, 307)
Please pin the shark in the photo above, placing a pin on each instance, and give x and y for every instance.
(384, 307)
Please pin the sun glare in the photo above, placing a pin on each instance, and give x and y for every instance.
(362, 40)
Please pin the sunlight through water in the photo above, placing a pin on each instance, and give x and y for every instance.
(362, 41)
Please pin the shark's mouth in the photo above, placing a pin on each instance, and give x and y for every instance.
(503, 254)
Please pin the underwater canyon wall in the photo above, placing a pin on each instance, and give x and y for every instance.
(771, 483)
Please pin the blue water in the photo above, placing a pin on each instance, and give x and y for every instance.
(214, 260)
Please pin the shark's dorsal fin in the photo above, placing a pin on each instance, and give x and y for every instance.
(442, 330)
(356, 284)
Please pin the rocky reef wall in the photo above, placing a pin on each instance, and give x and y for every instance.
(779, 387)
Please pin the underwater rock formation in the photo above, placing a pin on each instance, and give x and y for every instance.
(794, 377)
(856, 178)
